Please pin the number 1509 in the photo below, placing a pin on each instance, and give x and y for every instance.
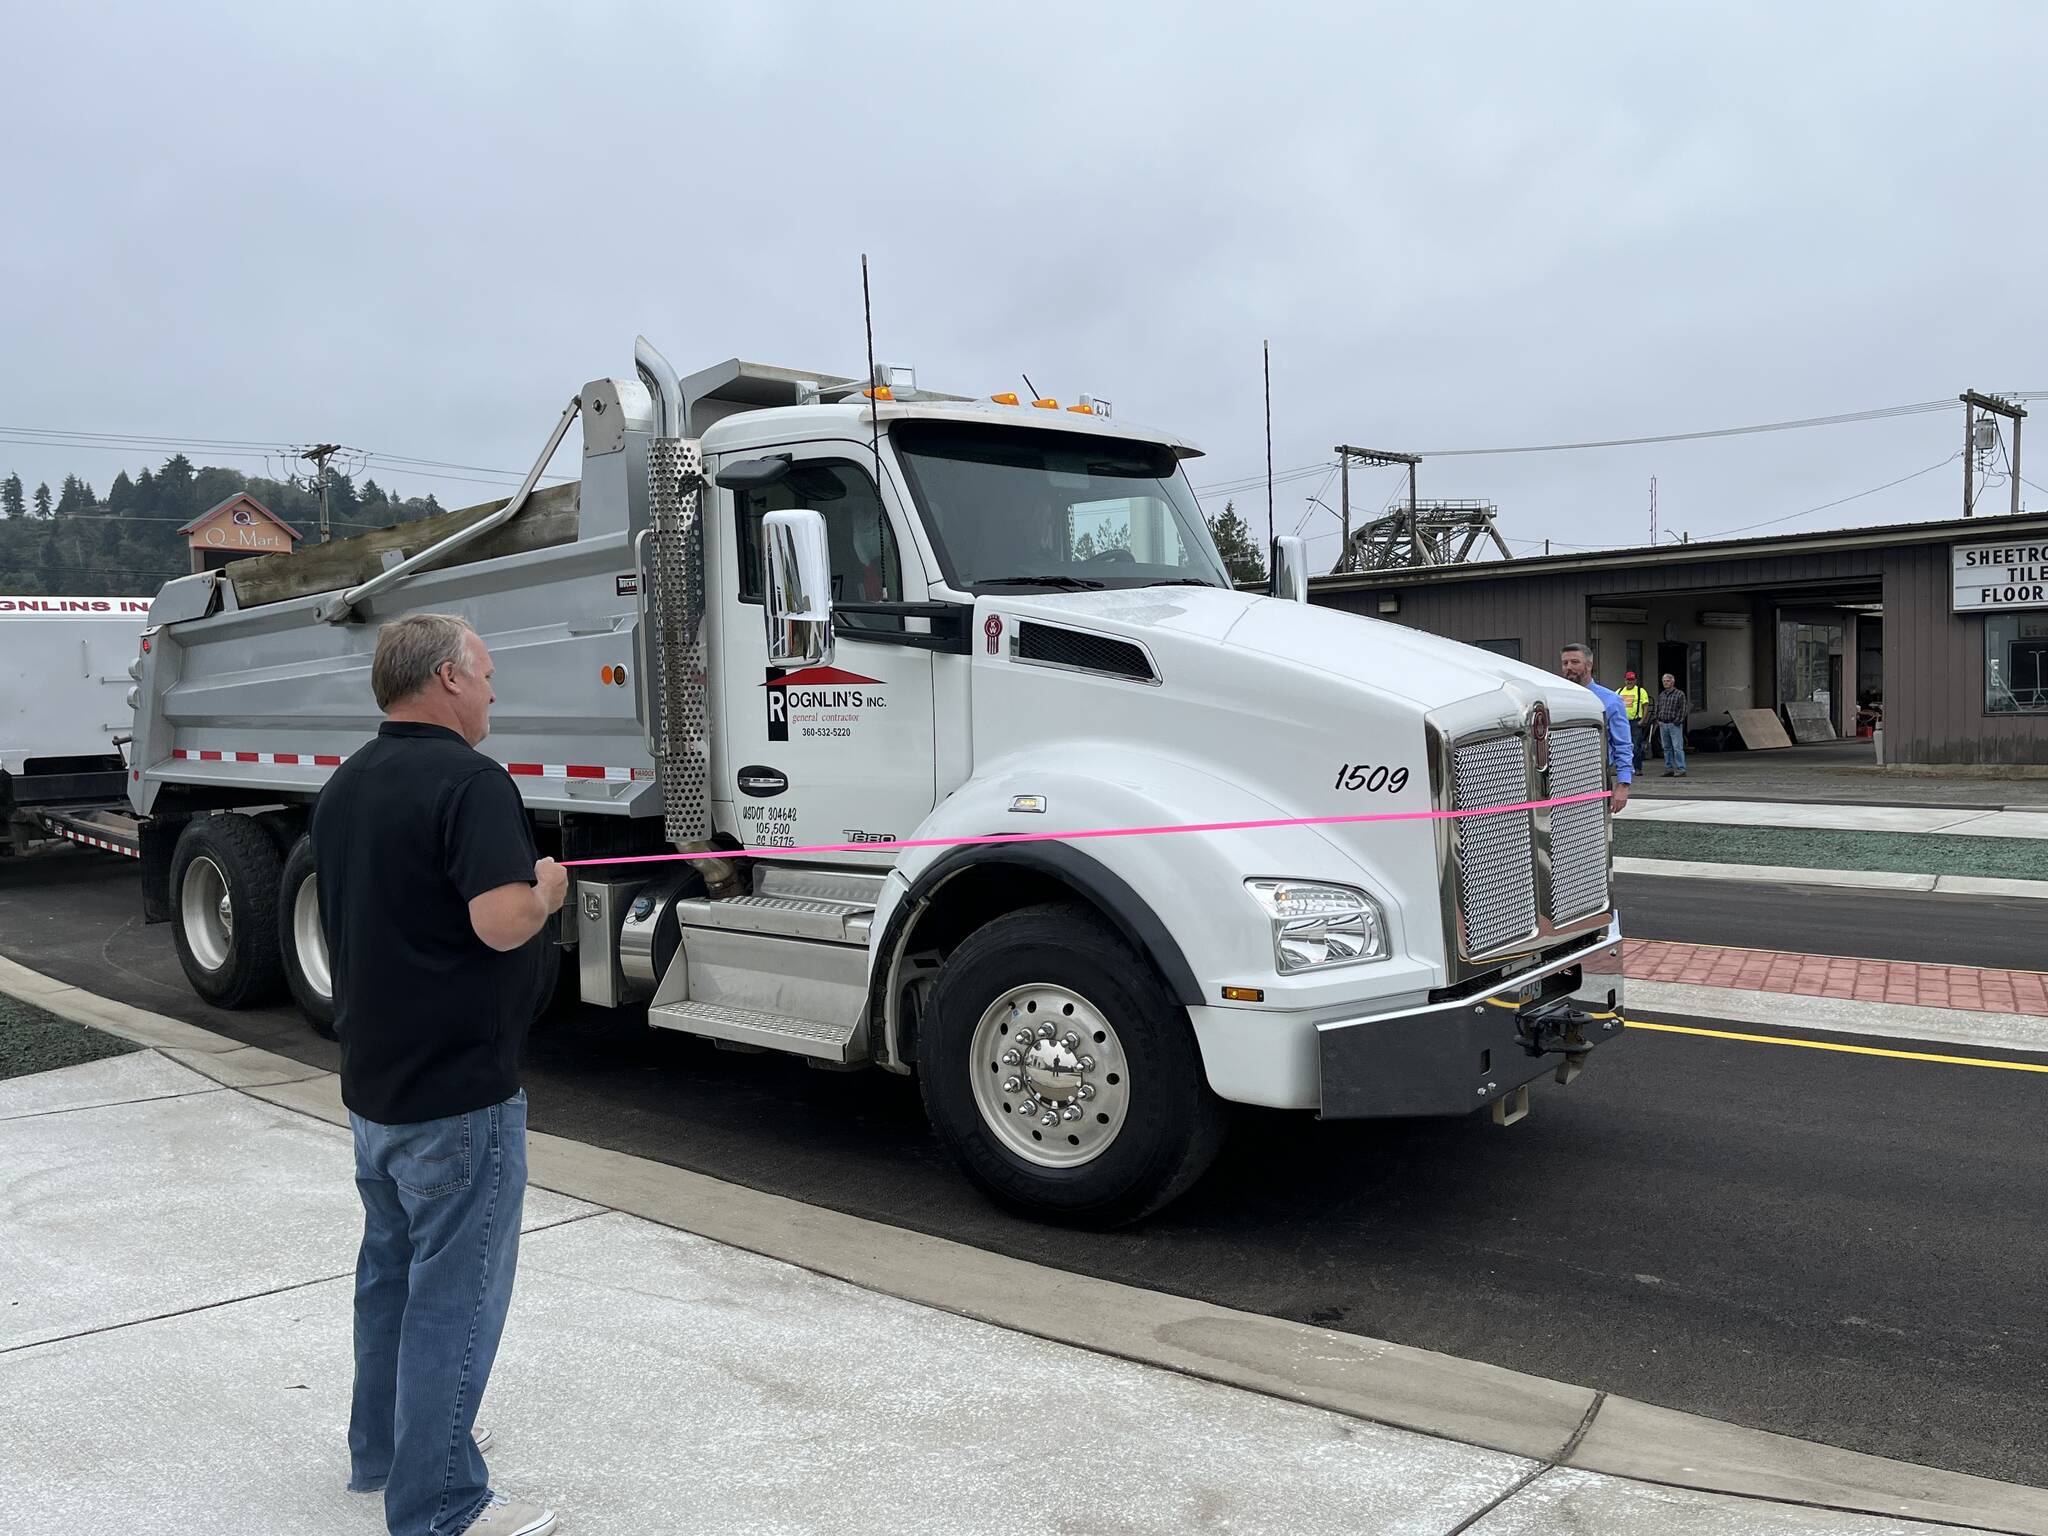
(1370, 779)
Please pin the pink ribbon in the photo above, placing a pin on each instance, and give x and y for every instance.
(1069, 837)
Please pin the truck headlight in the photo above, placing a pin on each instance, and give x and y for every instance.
(1316, 925)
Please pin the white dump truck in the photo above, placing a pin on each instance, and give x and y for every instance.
(64, 718)
(892, 651)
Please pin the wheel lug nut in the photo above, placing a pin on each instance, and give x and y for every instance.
(1087, 1063)
(1045, 1031)
(1073, 1112)
(1012, 1084)
(1011, 1058)
(1087, 1091)
(1070, 1040)
(1049, 1118)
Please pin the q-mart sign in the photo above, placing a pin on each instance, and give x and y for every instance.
(1990, 577)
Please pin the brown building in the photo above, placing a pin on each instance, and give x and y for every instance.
(1943, 626)
(235, 529)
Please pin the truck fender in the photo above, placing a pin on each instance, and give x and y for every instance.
(1170, 896)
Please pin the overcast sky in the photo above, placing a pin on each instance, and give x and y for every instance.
(418, 229)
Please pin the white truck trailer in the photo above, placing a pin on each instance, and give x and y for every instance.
(807, 620)
(64, 718)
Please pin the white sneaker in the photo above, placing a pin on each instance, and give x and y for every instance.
(511, 1517)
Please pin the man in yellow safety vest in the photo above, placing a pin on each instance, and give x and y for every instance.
(1635, 698)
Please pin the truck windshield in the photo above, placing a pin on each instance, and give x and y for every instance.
(1020, 508)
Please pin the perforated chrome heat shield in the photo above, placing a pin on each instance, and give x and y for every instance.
(675, 500)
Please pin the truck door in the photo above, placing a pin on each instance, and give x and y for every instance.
(841, 753)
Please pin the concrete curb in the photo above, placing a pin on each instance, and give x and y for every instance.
(1839, 1015)
(1857, 879)
(1557, 1423)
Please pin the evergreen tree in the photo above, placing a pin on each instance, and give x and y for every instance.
(121, 495)
(1242, 556)
(75, 497)
(176, 496)
(10, 496)
(43, 499)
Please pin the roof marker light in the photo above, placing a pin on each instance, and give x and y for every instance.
(1047, 405)
(1007, 397)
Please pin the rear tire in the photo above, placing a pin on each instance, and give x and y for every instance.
(302, 940)
(225, 876)
(1134, 1123)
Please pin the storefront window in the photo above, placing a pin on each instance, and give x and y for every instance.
(2016, 663)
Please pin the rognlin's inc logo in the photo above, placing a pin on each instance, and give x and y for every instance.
(811, 690)
(1539, 734)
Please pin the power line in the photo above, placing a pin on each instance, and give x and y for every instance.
(1771, 522)
(1845, 418)
(244, 448)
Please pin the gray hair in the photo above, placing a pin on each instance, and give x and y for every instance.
(411, 651)
(1580, 646)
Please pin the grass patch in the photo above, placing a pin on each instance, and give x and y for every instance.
(1909, 853)
(33, 1039)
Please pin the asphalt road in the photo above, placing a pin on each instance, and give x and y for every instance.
(1843, 1248)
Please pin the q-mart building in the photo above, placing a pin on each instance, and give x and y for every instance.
(1941, 626)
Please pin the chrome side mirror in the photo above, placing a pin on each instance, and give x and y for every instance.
(799, 587)
(1290, 568)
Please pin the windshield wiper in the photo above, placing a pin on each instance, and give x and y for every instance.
(1059, 583)
(1179, 581)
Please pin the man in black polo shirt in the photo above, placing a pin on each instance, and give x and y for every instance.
(434, 904)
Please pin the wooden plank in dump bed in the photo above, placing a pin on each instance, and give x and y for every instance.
(549, 518)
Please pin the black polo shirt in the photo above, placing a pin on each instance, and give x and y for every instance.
(431, 1019)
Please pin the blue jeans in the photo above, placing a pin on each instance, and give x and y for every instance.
(441, 1208)
(1673, 735)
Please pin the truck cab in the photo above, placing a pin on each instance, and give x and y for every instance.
(900, 730)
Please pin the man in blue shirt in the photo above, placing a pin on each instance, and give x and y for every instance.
(1576, 662)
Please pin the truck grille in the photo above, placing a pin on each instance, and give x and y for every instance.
(1522, 875)
(1578, 833)
(1496, 864)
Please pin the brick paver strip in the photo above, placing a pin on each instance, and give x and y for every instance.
(1974, 988)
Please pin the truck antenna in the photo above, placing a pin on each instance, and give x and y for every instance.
(1030, 386)
(1266, 350)
(867, 310)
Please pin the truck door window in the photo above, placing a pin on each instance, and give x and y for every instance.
(866, 567)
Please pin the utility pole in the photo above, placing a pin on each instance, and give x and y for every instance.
(320, 453)
(1374, 456)
(1994, 405)
(1653, 509)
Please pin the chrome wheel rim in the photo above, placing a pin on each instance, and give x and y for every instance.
(1050, 1076)
(309, 939)
(207, 913)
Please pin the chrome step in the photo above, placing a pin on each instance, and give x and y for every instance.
(794, 917)
(767, 1031)
(860, 887)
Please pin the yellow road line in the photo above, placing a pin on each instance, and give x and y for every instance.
(1829, 1045)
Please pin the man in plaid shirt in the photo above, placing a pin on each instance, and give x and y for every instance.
(1670, 711)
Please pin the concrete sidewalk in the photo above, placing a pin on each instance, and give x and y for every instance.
(175, 1261)
(1950, 821)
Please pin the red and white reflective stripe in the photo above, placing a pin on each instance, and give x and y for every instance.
(96, 842)
(333, 760)
(577, 771)
(275, 759)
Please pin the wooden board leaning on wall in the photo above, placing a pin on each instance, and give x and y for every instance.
(548, 518)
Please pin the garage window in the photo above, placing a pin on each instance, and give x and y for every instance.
(2016, 664)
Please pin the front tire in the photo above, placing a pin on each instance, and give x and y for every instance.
(1062, 1075)
(225, 875)
(302, 940)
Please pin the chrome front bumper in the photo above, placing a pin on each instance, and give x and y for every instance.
(1454, 1057)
